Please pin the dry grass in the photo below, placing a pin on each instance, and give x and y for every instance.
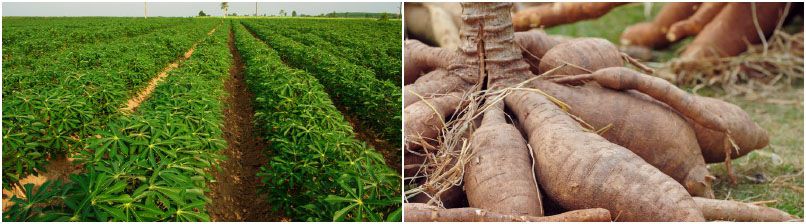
(759, 73)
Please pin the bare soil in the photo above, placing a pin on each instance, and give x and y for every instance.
(235, 194)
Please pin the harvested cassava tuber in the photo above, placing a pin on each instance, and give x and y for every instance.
(724, 210)
(653, 34)
(432, 22)
(535, 44)
(712, 118)
(416, 212)
(425, 118)
(694, 24)
(748, 135)
(428, 88)
(420, 58)
(580, 169)
(621, 78)
(729, 33)
(582, 55)
(548, 15)
(637, 122)
(501, 161)
(437, 74)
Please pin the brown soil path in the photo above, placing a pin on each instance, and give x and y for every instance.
(134, 102)
(57, 169)
(234, 194)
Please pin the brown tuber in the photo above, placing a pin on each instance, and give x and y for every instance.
(637, 122)
(548, 15)
(501, 161)
(417, 212)
(724, 210)
(582, 55)
(730, 32)
(653, 34)
(694, 24)
(580, 169)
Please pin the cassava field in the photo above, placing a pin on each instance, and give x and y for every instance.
(201, 119)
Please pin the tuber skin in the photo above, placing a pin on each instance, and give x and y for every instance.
(729, 33)
(747, 134)
(653, 131)
(429, 88)
(420, 58)
(588, 53)
(653, 34)
(437, 74)
(548, 15)
(724, 210)
(498, 176)
(712, 118)
(417, 212)
(694, 24)
(535, 44)
(433, 23)
(424, 123)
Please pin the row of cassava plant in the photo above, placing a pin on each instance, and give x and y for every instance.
(602, 141)
(51, 107)
(318, 170)
(152, 165)
(26, 38)
(376, 102)
(383, 35)
(354, 48)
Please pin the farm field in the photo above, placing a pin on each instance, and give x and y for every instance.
(201, 119)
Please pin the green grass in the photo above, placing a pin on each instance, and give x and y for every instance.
(781, 163)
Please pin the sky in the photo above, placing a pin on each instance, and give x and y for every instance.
(181, 9)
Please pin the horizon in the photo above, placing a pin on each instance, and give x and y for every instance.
(187, 9)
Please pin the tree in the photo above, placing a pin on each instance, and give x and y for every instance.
(384, 17)
(282, 12)
(294, 13)
(225, 6)
(201, 13)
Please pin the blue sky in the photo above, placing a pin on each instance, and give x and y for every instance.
(186, 8)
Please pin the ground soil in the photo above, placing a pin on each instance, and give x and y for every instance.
(235, 194)
(58, 168)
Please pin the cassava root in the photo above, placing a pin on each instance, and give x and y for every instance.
(416, 212)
